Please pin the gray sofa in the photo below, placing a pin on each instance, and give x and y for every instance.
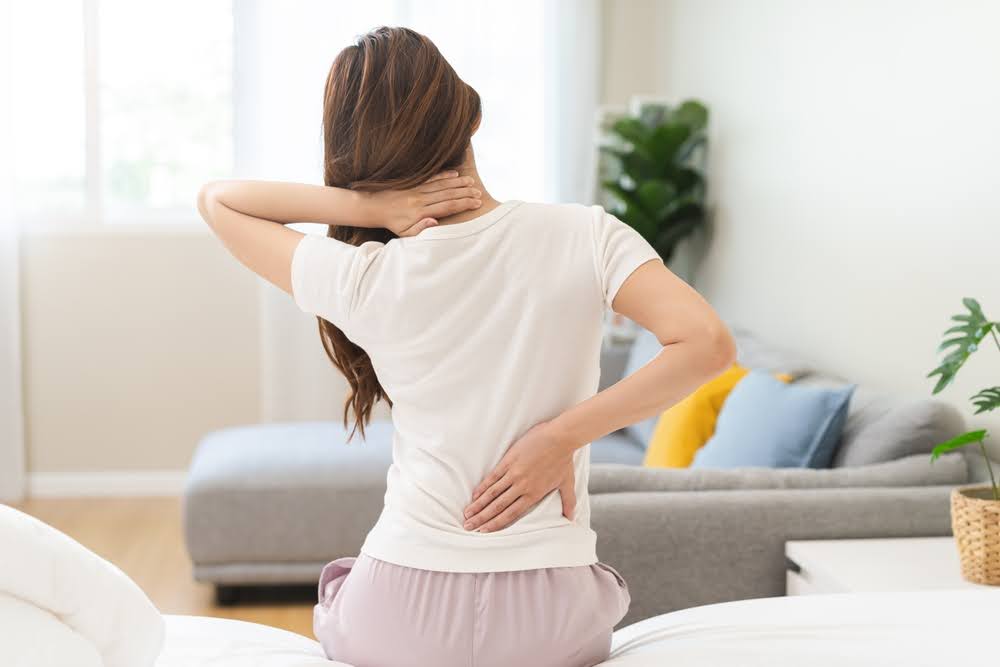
(271, 504)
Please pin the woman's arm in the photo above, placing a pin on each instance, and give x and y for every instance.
(696, 347)
(249, 216)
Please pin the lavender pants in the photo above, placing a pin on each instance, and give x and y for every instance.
(377, 614)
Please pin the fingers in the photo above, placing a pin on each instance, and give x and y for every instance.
(420, 226)
(450, 207)
(490, 490)
(451, 173)
(567, 492)
(445, 183)
(502, 502)
(508, 516)
(451, 193)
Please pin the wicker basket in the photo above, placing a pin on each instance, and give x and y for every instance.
(975, 520)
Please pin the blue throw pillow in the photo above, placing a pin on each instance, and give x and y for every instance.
(768, 423)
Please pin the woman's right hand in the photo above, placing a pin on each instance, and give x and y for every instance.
(409, 212)
(538, 463)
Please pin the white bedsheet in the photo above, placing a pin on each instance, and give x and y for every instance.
(196, 641)
(857, 629)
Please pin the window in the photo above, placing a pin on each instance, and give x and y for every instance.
(164, 72)
(122, 109)
(47, 105)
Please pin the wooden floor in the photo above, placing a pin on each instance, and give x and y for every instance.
(143, 537)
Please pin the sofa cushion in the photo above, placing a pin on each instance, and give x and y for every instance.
(284, 492)
(765, 422)
(752, 352)
(685, 427)
(616, 448)
(882, 428)
(909, 471)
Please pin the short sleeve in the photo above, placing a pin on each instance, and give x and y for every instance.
(619, 250)
(328, 276)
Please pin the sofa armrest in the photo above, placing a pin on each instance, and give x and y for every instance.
(684, 549)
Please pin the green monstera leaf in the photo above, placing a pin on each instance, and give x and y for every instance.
(961, 341)
(987, 400)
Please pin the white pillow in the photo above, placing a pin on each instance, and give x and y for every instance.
(56, 574)
(33, 637)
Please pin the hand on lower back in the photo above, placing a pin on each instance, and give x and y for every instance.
(534, 466)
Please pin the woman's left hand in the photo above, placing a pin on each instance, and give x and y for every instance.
(409, 212)
(538, 463)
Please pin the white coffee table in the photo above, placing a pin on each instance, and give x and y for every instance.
(874, 565)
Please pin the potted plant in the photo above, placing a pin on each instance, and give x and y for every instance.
(658, 187)
(975, 511)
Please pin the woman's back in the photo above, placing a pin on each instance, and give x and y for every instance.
(477, 331)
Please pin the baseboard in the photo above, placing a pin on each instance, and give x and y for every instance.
(112, 483)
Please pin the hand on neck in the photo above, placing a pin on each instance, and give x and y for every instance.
(468, 168)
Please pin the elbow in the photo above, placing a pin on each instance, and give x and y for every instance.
(206, 202)
(719, 348)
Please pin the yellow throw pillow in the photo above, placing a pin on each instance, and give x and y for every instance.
(683, 429)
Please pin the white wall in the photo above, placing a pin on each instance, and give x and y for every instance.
(136, 343)
(630, 64)
(856, 173)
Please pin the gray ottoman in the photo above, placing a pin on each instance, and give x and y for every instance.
(273, 503)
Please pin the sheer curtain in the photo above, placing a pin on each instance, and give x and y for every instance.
(535, 64)
(11, 421)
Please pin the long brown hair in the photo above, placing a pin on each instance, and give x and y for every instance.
(395, 113)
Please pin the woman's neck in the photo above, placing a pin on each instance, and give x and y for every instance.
(468, 168)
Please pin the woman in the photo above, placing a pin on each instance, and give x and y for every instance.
(480, 322)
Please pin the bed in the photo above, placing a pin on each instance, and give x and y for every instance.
(62, 604)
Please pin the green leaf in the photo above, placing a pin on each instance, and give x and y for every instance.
(665, 140)
(632, 130)
(685, 152)
(688, 206)
(671, 235)
(959, 347)
(618, 192)
(687, 180)
(655, 196)
(972, 437)
(632, 212)
(973, 307)
(987, 400)
(691, 113)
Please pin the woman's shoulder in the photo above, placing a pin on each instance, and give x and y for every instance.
(560, 219)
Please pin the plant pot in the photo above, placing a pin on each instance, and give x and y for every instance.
(975, 521)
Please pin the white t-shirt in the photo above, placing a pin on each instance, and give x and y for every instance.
(477, 331)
